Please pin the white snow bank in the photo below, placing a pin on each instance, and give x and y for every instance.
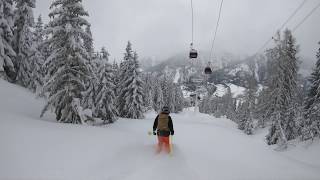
(177, 76)
(205, 148)
(221, 90)
(241, 67)
(235, 90)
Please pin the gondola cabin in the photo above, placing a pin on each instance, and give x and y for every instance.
(193, 54)
(208, 70)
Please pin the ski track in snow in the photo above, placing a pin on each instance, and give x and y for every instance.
(204, 148)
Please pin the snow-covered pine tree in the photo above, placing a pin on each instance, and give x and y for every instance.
(45, 46)
(22, 43)
(88, 42)
(167, 86)
(158, 101)
(243, 115)
(36, 58)
(115, 81)
(311, 123)
(134, 91)
(67, 64)
(204, 105)
(131, 86)
(229, 105)
(89, 95)
(90, 91)
(248, 107)
(276, 101)
(291, 126)
(105, 101)
(123, 76)
(283, 90)
(147, 91)
(7, 54)
(38, 34)
(172, 99)
(179, 99)
(94, 63)
(116, 73)
(222, 106)
(263, 107)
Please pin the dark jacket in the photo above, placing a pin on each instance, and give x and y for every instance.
(163, 133)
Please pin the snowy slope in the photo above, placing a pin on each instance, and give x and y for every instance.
(205, 148)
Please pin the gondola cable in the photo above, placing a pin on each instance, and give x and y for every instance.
(216, 30)
(306, 17)
(193, 52)
(192, 23)
(283, 25)
(208, 69)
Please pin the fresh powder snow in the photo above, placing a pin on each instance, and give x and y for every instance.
(204, 148)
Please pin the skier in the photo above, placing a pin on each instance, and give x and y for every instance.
(164, 127)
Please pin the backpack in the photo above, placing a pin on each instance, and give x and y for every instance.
(163, 121)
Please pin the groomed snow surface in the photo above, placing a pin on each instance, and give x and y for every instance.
(205, 148)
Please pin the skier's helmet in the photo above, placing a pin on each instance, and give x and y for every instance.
(165, 109)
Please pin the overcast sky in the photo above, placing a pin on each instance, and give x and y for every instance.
(162, 28)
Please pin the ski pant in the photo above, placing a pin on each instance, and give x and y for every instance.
(163, 144)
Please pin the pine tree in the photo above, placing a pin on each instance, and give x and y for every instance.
(39, 34)
(179, 99)
(36, 58)
(45, 46)
(37, 74)
(243, 115)
(88, 42)
(90, 92)
(227, 108)
(131, 86)
(248, 107)
(147, 91)
(123, 76)
(168, 91)
(106, 109)
(134, 92)
(283, 90)
(311, 123)
(158, 101)
(115, 81)
(116, 73)
(204, 106)
(67, 65)
(7, 54)
(22, 44)
(172, 99)
(89, 95)
(263, 107)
